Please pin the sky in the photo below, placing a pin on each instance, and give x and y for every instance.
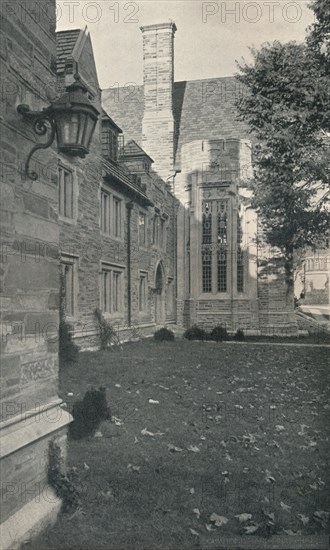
(211, 36)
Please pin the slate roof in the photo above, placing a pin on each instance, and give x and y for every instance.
(132, 149)
(65, 43)
(115, 172)
(203, 109)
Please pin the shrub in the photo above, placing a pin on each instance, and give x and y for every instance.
(219, 334)
(89, 413)
(68, 350)
(164, 335)
(61, 481)
(239, 335)
(195, 333)
(108, 334)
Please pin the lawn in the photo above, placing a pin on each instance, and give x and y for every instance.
(239, 431)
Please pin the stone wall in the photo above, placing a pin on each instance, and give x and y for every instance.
(29, 268)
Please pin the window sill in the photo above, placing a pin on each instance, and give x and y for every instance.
(71, 319)
(71, 221)
(214, 296)
(113, 316)
(111, 237)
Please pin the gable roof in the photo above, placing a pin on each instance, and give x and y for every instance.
(65, 43)
(106, 118)
(203, 109)
(75, 48)
(132, 149)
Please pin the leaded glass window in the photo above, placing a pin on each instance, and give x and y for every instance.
(240, 257)
(207, 246)
(214, 245)
(222, 219)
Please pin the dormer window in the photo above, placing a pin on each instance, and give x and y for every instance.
(109, 143)
(110, 133)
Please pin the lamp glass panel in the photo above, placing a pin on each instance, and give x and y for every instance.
(89, 131)
(82, 128)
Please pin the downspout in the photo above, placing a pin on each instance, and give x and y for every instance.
(129, 207)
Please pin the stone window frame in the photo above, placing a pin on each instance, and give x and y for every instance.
(143, 244)
(159, 229)
(143, 277)
(113, 198)
(111, 269)
(72, 260)
(63, 166)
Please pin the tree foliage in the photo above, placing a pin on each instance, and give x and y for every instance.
(287, 107)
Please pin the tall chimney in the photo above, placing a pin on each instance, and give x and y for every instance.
(158, 121)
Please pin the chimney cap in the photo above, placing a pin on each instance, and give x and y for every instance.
(160, 26)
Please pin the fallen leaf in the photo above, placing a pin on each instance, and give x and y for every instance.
(174, 449)
(209, 527)
(249, 438)
(117, 386)
(218, 520)
(304, 519)
(269, 477)
(146, 432)
(279, 428)
(98, 434)
(197, 512)
(242, 518)
(250, 529)
(193, 532)
(285, 506)
(193, 449)
(269, 515)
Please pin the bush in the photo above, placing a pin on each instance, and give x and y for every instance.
(61, 481)
(89, 413)
(219, 334)
(68, 350)
(108, 334)
(239, 335)
(164, 335)
(195, 333)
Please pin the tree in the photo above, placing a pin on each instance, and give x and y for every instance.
(287, 107)
(319, 36)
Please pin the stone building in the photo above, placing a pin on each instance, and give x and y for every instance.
(199, 146)
(118, 227)
(154, 227)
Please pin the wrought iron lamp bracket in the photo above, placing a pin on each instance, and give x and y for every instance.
(40, 127)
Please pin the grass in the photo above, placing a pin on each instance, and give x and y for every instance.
(255, 419)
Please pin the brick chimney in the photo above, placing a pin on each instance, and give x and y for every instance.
(158, 121)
